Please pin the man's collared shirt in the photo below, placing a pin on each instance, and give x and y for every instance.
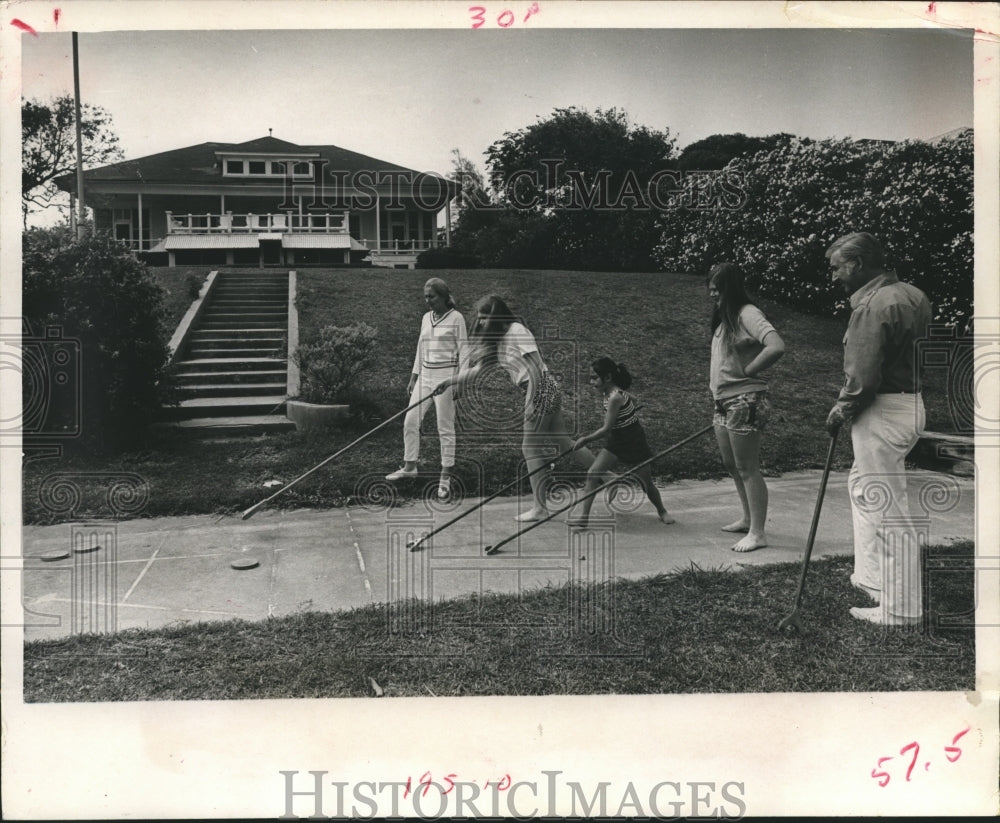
(887, 319)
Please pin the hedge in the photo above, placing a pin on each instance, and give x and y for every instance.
(916, 197)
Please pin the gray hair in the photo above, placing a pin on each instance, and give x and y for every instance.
(859, 245)
(440, 287)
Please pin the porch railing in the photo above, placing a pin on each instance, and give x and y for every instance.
(250, 222)
(401, 246)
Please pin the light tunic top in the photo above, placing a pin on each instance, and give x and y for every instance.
(731, 354)
(442, 345)
(512, 350)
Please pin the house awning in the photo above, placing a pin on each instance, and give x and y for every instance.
(210, 241)
(316, 241)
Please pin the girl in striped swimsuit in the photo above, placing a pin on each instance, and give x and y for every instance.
(626, 439)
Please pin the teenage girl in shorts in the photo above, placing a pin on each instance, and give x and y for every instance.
(744, 344)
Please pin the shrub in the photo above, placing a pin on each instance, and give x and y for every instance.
(446, 259)
(915, 197)
(96, 292)
(330, 364)
(193, 283)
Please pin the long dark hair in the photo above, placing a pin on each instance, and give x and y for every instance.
(729, 281)
(605, 367)
(486, 334)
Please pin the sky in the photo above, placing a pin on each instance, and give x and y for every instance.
(411, 96)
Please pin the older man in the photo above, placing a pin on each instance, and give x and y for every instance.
(881, 399)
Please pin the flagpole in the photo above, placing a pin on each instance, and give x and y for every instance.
(79, 139)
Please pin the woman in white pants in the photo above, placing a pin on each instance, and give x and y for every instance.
(440, 352)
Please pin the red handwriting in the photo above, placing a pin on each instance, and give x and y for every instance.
(425, 783)
(951, 753)
(505, 19)
(20, 24)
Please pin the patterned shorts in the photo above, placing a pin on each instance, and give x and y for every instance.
(744, 413)
(547, 398)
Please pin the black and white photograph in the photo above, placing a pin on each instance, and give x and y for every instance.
(427, 409)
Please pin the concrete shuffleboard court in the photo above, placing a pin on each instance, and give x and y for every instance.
(171, 571)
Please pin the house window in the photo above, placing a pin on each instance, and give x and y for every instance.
(257, 167)
(277, 167)
(234, 167)
(304, 169)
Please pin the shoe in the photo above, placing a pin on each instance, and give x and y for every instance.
(881, 617)
(874, 594)
(400, 473)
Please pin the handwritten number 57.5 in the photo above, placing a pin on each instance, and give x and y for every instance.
(952, 752)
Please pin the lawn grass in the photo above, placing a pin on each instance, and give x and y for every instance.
(693, 631)
(655, 323)
(176, 290)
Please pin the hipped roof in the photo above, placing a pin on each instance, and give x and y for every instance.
(200, 164)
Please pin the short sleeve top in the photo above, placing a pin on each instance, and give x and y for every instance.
(513, 348)
(732, 353)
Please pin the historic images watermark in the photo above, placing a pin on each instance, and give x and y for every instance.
(49, 365)
(88, 594)
(550, 187)
(312, 794)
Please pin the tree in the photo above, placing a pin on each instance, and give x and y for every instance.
(473, 194)
(574, 190)
(95, 293)
(916, 197)
(48, 148)
(574, 154)
(714, 152)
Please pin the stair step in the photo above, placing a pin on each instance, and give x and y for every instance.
(228, 389)
(277, 377)
(225, 334)
(233, 352)
(230, 364)
(252, 302)
(220, 314)
(226, 406)
(231, 325)
(254, 290)
(229, 426)
(221, 342)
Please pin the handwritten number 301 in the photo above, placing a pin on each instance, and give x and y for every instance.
(952, 752)
(505, 19)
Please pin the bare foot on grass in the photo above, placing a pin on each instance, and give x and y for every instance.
(750, 543)
(665, 518)
(737, 526)
(534, 514)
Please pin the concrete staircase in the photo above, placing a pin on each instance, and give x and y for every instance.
(232, 368)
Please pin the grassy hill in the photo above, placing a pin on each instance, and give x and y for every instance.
(655, 323)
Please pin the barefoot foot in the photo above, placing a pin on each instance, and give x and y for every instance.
(737, 526)
(750, 543)
(534, 514)
(666, 519)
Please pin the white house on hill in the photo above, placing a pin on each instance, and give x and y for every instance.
(267, 201)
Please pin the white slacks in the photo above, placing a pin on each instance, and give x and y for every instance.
(886, 550)
(444, 406)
